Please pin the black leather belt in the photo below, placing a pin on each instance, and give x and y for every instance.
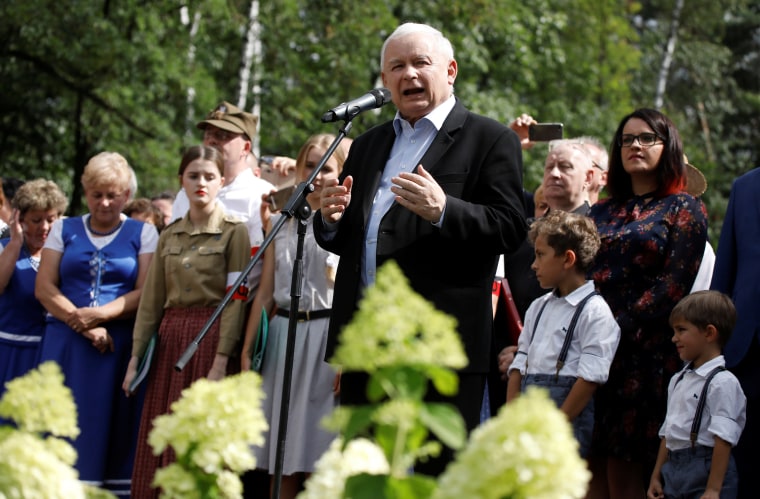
(308, 315)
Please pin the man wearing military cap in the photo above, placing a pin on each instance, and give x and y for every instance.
(231, 130)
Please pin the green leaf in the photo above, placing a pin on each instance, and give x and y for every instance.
(444, 380)
(446, 423)
(416, 436)
(375, 389)
(410, 382)
(366, 486)
(411, 487)
(397, 382)
(358, 422)
(385, 437)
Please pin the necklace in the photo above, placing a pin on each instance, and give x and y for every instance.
(33, 262)
(106, 233)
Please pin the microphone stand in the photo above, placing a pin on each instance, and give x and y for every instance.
(297, 207)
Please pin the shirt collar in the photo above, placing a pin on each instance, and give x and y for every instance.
(575, 297)
(213, 226)
(708, 366)
(437, 116)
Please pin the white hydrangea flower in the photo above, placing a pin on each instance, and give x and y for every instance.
(62, 450)
(176, 483)
(396, 326)
(530, 451)
(213, 426)
(39, 402)
(334, 467)
(34, 462)
(229, 485)
(398, 412)
(29, 469)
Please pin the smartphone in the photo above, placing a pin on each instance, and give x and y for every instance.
(545, 132)
(278, 199)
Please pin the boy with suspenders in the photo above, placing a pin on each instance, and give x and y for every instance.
(706, 405)
(570, 335)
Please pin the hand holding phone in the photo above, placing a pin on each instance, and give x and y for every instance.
(279, 198)
(545, 132)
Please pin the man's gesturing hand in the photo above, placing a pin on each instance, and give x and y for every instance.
(335, 199)
(420, 193)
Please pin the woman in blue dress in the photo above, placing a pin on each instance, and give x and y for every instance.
(36, 205)
(90, 280)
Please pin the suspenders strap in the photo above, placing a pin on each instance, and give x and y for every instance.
(570, 329)
(701, 406)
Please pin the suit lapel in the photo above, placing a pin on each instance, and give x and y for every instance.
(445, 137)
(382, 150)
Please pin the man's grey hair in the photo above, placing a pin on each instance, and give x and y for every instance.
(576, 144)
(442, 43)
(594, 145)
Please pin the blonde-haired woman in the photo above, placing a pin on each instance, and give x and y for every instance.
(36, 205)
(314, 382)
(90, 280)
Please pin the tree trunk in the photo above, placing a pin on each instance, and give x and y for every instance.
(662, 80)
(81, 148)
(252, 59)
(190, 115)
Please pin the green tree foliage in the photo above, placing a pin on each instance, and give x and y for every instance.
(134, 77)
(712, 89)
(93, 76)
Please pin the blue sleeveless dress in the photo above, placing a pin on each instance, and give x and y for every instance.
(108, 420)
(22, 321)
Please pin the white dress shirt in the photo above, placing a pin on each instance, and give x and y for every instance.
(724, 415)
(593, 345)
(410, 145)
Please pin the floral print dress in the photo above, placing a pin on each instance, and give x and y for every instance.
(650, 254)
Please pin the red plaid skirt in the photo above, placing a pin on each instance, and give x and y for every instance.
(178, 329)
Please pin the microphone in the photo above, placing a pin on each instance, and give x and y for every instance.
(373, 99)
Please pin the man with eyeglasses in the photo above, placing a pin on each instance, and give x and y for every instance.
(231, 130)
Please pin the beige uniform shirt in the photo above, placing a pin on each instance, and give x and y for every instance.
(194, 267)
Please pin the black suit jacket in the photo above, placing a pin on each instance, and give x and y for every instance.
(478, 163)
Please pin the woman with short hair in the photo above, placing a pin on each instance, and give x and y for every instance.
(36, 205)
(90, 281)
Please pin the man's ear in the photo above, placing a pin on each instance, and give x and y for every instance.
(589, 177)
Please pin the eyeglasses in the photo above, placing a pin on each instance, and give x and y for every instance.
(645, 139)
(218, 134)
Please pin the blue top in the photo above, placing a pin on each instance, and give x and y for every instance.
(20, 312)
(108, 421)
(90, 277)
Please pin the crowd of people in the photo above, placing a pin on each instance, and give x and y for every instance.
(607, 266)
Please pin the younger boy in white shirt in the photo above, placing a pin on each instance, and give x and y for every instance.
(570, 335)
(706, 405)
